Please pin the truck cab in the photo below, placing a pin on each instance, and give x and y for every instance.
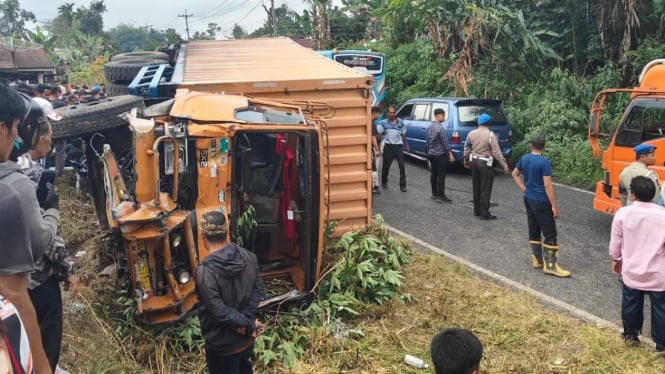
(257, 161)
(643, 121)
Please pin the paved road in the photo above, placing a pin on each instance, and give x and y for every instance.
(501, 245)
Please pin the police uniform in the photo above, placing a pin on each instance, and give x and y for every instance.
(481, 149)
(393, 134)
(635, 169)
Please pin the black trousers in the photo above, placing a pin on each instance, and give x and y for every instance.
(47, 301)
(391, 152)
(230, 364)
(540, 219)
(483, 180)
(437, 177)
(632, 309)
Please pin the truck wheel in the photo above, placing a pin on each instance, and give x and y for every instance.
(141, 55)
(116, 89)
(88, 118)
(124, 71)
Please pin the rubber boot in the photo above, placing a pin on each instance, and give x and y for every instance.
(550, 254)
(536, 254)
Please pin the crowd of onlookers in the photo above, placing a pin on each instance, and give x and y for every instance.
(62, 93)
(35, 259)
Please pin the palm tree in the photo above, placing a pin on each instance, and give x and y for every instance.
(619, 24)
(66, 12)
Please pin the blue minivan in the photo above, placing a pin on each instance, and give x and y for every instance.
(461, 117)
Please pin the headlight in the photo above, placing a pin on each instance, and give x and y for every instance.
(183, 276)
(177, 239)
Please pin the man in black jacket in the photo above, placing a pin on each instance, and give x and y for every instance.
(229, 287)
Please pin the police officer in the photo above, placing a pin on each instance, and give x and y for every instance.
(394, 137)
(645, 155)
(480, 150)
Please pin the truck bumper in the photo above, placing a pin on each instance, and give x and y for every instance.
(603, 201)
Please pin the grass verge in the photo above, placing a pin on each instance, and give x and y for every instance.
(519, 335)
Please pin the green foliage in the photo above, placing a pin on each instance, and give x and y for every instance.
(244, 226)
(366, 269)
(13, 19)
(414, 71)
(130, 38)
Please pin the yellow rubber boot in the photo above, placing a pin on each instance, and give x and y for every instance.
(550, 255)
(536, 254)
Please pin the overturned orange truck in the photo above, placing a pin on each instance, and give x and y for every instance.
(261, 129)
(643, 120)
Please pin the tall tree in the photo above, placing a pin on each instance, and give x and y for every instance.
(209, 34)
(238, 32)
(620, 24)
(90, 18)
(13, 19)
(289, 23)
(322, 38)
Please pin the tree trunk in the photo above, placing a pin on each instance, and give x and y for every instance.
(323, 27)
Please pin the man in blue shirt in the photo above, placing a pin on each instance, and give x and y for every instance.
(394, 137)
(541, 208)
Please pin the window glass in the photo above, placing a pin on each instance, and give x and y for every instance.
(405, 112)
(468, 114)
(630, 133)
(421, 112)
(654, 124)
(436, 106)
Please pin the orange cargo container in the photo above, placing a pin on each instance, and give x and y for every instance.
(279, 68)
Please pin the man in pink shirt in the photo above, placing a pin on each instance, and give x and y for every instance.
(637, 249)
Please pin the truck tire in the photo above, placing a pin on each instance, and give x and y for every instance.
(116, 89)
(141, 55)
(88, 118)
(124, 71)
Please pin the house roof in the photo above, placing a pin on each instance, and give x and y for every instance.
(26, 58)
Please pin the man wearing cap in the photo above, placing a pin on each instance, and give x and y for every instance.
(645, 155)
(439, 155)
(480, 150)
(229, 288)
(394, 138)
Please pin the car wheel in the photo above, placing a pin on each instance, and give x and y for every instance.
(88, 118)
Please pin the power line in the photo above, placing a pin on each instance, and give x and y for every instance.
(186, 22)
(243, 17)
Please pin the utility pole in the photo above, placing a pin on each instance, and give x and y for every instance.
(146, 33)
(273, 17)
(186, 22)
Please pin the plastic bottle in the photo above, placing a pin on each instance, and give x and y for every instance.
(415, 362)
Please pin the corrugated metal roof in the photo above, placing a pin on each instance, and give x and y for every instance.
(259, 60)
(26, 59)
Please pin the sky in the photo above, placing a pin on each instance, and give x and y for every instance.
(163, 14)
